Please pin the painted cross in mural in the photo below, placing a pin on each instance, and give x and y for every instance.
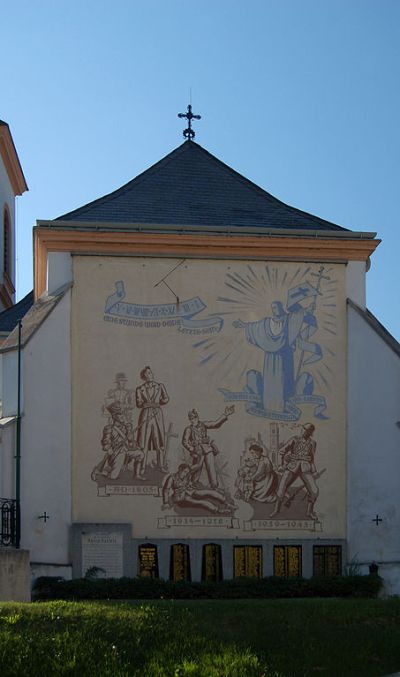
(284, 335)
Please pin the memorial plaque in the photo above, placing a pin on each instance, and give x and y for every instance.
(279, 561)
(247, 561)
(327, 560)
(239, 561)
(148, 560)
(212, 563)
(254, 561)
(103, 550)
(287, 560)
(180, 562)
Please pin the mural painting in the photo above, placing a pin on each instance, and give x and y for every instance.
(151, 397)
(260, 449)
(284, 335)
(135, 458)
(280, 482)
(197, 488)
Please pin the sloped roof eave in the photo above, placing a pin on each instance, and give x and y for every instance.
(111, 226)
(11, 160)
(34, 319)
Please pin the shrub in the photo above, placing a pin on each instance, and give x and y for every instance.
(48, 587)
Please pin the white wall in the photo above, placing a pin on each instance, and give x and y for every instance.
(46, 439)
(355, 282)
(59, 270)
(373, 450)
(7, 461)
(10, 382)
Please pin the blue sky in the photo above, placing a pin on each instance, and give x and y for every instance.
(300, 96)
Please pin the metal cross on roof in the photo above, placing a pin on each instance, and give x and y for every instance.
(189, 133)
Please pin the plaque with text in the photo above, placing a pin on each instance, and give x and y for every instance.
(104, 551)
(239, 561)
(180, 562)
(247, 561)
(148, 560)
(287, 560)
(212, 563)
(327, 560)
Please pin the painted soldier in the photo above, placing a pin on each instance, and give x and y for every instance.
(298, 462)
(201, 448)
(123, 395)
(179, 490)
(150, 398)
(120, 450)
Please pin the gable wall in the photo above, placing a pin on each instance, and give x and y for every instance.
(45, 440)
(195, 360)
(373, 449)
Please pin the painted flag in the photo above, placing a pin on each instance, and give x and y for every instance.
(297, 294)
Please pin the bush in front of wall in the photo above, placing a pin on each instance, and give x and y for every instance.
(48, 587)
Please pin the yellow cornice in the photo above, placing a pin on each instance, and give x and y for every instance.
(11, 161)
(116, 243)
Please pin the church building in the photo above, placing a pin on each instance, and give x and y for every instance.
(12, 184)
(203, 392)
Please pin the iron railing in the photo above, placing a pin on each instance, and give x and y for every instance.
(8, 522)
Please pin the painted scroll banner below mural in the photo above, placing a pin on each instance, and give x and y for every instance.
(174, 521)
(282, 525)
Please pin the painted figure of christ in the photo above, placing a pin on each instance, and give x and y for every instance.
(276, 336)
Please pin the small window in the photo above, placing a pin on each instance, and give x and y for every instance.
(327, 560)
(7, 242)
(248, 561)
(287, 560)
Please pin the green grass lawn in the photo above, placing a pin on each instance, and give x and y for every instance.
(231, 638)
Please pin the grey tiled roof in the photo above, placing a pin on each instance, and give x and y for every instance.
(191, 187)
(9, 318)
(34, 317)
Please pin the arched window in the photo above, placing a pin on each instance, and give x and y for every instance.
(7, 242)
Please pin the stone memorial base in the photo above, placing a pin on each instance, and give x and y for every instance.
(15, 580)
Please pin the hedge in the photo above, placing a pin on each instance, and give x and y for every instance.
(48, 587)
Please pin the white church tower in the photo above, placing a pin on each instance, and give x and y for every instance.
(12, 183)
